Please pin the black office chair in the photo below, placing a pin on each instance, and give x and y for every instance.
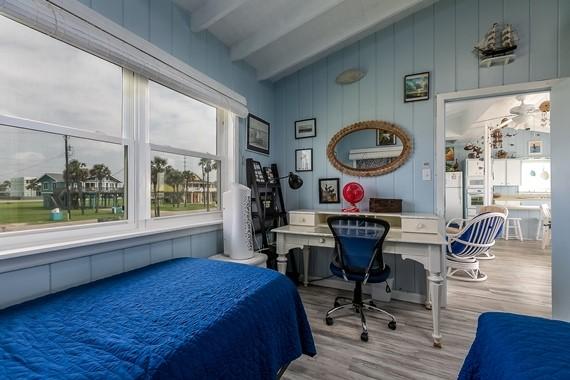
(359, 258)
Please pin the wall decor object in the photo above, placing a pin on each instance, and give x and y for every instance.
(353, 150)
(329, 190)
(449, 153)
(304, 160)
(384, 138)
(350, 76)
(416, 87)
(497, 46)
(385, 205)
(258, 172)
(535, 148)
(257, 134)
(305, 128)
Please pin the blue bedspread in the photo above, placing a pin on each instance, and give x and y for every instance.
(182, 319)
(510, 346)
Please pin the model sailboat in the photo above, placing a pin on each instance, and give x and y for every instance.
(498, 42)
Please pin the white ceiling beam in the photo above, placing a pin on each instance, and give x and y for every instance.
(211, 12)
(272, 33)
(346, 31)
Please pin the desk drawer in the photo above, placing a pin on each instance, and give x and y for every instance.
(423, 226)
(317, 241)
(302, 219)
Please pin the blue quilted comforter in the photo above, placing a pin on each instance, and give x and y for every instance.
(182, 319)
(509, 346)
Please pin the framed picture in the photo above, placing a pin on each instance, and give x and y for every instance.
(534, 148)
(304, 160)
(305, 128)
(329, 190)
(416, 87)
(384, 138)
(257, 134)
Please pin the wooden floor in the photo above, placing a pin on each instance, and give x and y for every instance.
(519, 282)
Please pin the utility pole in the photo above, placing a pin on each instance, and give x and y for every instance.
(67, 190)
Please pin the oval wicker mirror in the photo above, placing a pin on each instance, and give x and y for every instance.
(369, 148)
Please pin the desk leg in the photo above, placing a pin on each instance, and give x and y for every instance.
(435, 282)
(306, 253)
(282, 262)
(428, 303)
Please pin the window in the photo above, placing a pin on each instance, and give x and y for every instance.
(47, 192)
(74, 132)
(47, 80)
(62, 128)
(179, 121)
(184, 168)
(535, 176)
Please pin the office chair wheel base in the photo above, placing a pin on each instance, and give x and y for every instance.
(392, 325)
(364, 337)
(329, 321)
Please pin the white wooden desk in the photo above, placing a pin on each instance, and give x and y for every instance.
(424, 245)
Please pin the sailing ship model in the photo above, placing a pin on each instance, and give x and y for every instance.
(499, 42)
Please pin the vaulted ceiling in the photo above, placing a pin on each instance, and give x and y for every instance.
(278, 37)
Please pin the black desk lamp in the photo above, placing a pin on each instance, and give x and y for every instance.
(295, 182)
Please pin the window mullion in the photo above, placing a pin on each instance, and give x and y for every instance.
(143, 155)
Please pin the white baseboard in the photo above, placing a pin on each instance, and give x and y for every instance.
(367, 289)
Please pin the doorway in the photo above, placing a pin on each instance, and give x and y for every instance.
(496, 152)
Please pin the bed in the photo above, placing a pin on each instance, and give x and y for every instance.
(185, 318)
(510, 346)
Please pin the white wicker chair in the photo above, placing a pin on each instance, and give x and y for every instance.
(473, 239)
(457, 224)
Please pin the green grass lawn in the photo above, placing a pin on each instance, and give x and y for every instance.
(32, 212)
(181, 207)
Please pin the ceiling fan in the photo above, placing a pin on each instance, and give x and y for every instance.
(524, 116)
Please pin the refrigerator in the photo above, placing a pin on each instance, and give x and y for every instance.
(453, 195)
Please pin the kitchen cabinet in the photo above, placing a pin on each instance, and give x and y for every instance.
(507, 172)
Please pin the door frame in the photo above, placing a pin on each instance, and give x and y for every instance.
(441, 100)
(448, 97)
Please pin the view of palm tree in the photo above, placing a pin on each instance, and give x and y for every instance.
(100, 172)
(175, 188)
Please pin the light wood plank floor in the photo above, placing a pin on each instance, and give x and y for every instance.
(519, 282)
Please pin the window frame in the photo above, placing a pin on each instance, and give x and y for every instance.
(135, 137)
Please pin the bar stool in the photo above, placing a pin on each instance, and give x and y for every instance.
(515, 225)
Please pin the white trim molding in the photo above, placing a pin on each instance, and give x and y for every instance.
(74, 23)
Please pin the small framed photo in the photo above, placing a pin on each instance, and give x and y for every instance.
(304, 160)
(329, 190)
(305, 128)
(416, 87)
(384, 138)
(257, 134)
(535, 148)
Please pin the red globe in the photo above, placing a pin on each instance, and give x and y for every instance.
(353, 192)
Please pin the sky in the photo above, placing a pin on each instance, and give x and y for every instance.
(47, 80)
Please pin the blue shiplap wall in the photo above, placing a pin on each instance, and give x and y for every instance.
(438, 39)
(167, 26)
